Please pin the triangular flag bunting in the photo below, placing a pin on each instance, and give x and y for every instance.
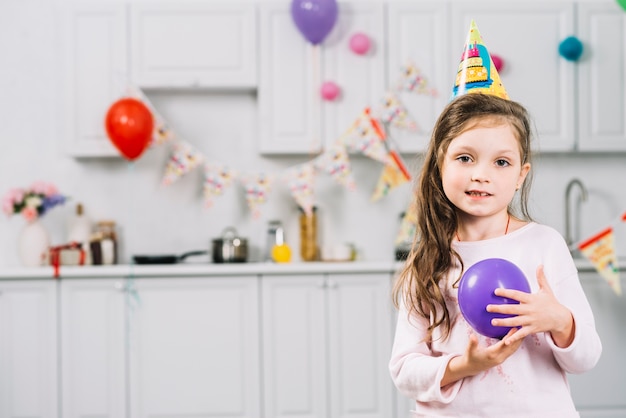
(367, 137)
(217, 177)
(394, 112)
(184, 159)
(162, 132)
(257, 188)
(336, 163)
(412, 80)
(408, 225)
(300, 181)
(600, 250)
(390, 178)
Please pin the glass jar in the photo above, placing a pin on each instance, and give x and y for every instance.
(308, 235)
(105, 231)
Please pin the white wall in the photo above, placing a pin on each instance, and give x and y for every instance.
(154, 219)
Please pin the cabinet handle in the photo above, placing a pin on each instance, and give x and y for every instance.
(119, 286)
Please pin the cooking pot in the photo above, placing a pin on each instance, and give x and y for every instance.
(230, 248)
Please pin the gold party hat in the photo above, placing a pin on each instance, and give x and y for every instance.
(477, 72)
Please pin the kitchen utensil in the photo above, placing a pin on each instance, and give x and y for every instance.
(165, 258)
(230, 248)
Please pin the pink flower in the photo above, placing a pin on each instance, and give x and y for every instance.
(38, 187)
(16, 195)
(29, 213)
(7, 205)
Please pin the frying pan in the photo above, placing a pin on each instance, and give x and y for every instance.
(165, 258)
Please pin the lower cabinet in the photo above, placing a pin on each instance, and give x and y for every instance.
(326, 345)
(28, 349)
(194, 348)
(94, 382)
(305, 345)
(600, 391)
(160, 347)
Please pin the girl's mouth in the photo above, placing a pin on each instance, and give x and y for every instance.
(475, 193)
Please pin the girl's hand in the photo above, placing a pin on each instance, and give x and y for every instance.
(477, 358)
(536, 312)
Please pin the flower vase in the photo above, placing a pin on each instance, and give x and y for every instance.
(33, 244)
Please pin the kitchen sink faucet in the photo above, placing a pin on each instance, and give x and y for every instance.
(569, 239)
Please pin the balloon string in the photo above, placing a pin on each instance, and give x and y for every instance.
(316, 145)
(131, 295)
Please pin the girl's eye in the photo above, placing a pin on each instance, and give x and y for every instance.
(502, 163)
(464, 158)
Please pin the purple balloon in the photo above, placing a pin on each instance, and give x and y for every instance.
(314, 18)
(476, 291)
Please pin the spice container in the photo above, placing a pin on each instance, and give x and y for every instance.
(308, 235)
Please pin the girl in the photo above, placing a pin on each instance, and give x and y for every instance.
(478, 158)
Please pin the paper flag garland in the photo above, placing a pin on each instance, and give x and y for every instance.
(367, 136)
(184, 159)
(336, 163)
(301, 180)
(217, 177)
(391, 177)
(257, 188)
(408, 225)
(477, 73)
(600, 250)
(412, 80)
(394, 112)
(162, 132)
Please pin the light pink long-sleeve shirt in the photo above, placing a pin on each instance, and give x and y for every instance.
(530, 383)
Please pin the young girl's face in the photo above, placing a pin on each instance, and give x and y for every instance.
(482, 169)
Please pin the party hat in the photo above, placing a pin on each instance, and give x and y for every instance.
(477, 72)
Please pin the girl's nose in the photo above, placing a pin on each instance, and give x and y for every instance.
(480, 174)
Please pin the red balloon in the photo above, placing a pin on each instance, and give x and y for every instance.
(129, 125)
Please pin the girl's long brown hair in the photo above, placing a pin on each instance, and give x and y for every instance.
(432, 256)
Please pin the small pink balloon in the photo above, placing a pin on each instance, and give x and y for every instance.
(360, 43)
(497, 61)
(329, 90)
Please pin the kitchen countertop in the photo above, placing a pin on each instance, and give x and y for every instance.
(229, 269)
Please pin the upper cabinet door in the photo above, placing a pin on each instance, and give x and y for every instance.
(95, 73)
(288, 99)
(361, 78)
(418, 37)
(193, 44)
(602, 71)
(526, 35)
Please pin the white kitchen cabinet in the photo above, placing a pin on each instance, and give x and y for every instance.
(293, 119)
(288, 99)
(602, 70)
(326, 345)
(361, 78)
(417, 34)
(193, 44)
(194, 348)
(93, 348)
(28, 349)
(95, 73)
(600, 391)
(526, 35)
